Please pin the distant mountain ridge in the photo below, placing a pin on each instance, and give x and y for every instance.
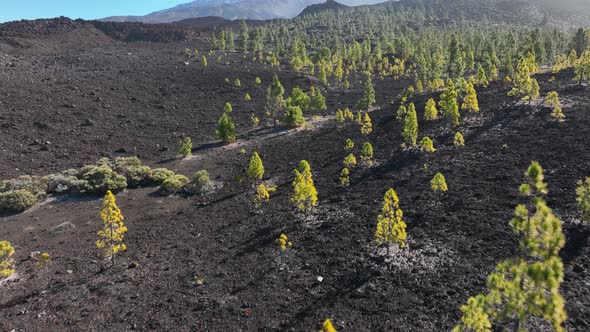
(328, 5)
(233, 9)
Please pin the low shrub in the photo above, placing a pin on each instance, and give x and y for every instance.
(173, 184)
(64, 183)
(34, 184)
(133, 170)
(17, 201)
(159, 175)
(100, 179)
(200, 184)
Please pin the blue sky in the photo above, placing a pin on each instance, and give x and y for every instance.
(11, 10)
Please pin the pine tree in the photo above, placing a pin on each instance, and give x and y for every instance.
(367, 152)
(527, 286)
(327, 326)
(112, 235)
(6, 260)
(294, 116)
(349, 161)
(475, 316)
(226, 130)
(275, 102)
(524, 86)
(255, 167)
(427, 145)
(582, 67)
(368, 98)
(481, 77)
(345, 177)
(557, 113)
(261, 196)
(580, 41)
(448, 103)
(439, 183)
(410, 130)
(391, 228)
(456, 64)
(470, 101)
(348, 144)
(247, 97)
(552, 99)
(237, 83)
(459, 140)
(367, 126)
(340, 117)
(452, 113)
(430, 112)
(583, 198)
(318, 101)
(305, 195)
(348, 115)
(227, 108)
(185, 147)
(254, 120)
(258, 81)
(401, 112)
(299, 98)
(322, 77)
(204, 61)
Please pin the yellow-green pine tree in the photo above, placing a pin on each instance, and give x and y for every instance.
(552, 99)
(459, 140)
(527, 286)
(427, 145)
(470, 101)
(185, 147)
(305, 195)
(261, 196)
(367, 152)
(112, 234)
(227, 108)
(391, 228)
(410, 130)
(327, 326)
(255, 167)
(430, 112)
(367, 126)
(345, 177)
(349, 144)
(6, 260)
(349, 161)
(583, 198)
(439, 183)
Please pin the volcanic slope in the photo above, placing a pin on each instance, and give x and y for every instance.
(212, 263)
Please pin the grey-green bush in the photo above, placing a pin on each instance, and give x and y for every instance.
(100, 179)
(34, 184)
(133, 170)
(173, 184)
(16, 201)
(200, 183)
(159, 175)
(64, 183)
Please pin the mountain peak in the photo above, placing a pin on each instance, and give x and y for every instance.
(328, 5)
(237, 9)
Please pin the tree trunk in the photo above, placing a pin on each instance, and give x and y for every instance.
(516, 325)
